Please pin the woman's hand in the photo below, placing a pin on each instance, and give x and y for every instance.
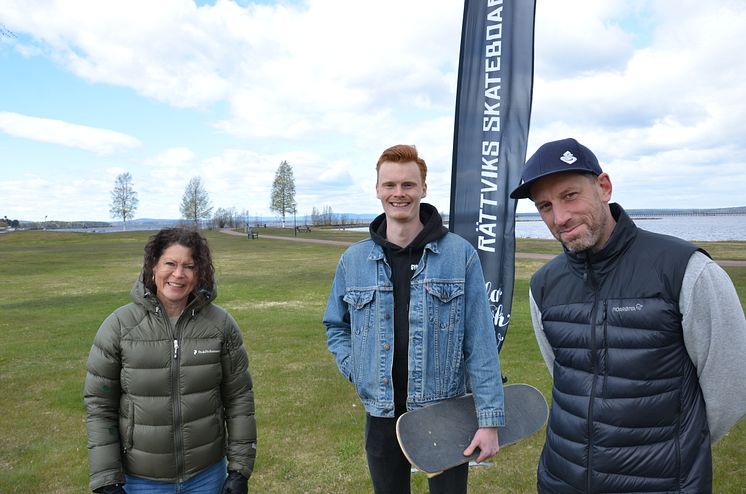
(235, 484)
(111, 489)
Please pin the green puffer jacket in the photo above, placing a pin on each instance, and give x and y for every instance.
(164, 402)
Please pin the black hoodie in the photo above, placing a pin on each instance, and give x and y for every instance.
(403, 262)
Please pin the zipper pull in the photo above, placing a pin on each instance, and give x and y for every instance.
(176, 349)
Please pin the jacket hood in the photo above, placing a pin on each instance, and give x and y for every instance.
(433, 229)
(197, 300)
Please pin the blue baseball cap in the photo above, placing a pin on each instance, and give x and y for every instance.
(566, 155)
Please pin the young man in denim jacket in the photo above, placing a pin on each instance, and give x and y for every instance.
(409, 324)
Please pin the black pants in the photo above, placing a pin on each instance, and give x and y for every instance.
(389, 469)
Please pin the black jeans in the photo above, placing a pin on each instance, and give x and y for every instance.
(389, 469)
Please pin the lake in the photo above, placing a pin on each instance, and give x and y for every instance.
(708, 228)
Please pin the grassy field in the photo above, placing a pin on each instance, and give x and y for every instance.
(56, 288)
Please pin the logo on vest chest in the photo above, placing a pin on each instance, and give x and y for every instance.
(627, 308)
(200, 352)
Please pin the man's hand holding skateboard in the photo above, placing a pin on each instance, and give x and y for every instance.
(486, 440)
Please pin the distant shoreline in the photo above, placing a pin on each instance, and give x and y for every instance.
(654, 214)
(352, 221)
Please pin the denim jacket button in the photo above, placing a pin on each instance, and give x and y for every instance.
(386, 346)
(385, 380)
(387, 316)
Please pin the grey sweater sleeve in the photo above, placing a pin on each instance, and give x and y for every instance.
(715, 338)
(541, 338)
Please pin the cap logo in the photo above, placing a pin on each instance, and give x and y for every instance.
(568, 158)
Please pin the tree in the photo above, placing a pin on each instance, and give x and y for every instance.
(233, 217)
(244, 218)
(283, 191)
(327, 216)
(220, 218)
(225, 218)
(123, 199)
(195, 204)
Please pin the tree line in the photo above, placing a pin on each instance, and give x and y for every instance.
(197, 209)
(8, 223)
(196, 206)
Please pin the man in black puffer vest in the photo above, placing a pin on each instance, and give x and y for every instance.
(644, 336)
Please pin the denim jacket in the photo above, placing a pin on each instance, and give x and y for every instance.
(445, 352)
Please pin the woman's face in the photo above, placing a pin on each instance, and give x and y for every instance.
(175, 277)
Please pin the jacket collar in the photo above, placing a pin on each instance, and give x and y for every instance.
(144, 297)
(432, 231)
(377, 252)
(603, 261)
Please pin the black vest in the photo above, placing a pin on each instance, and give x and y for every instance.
(627, 412)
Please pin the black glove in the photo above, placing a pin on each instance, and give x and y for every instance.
(111, 489)
(236, 484)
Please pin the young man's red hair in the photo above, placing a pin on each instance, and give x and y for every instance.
(403, 153)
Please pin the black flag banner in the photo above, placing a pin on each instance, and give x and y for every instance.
(493, 108)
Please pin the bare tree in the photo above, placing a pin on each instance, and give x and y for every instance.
(195, 204)
(225, 218)
(233, 217)
(283, 191)
(244, 218)
(123, 199)
(328, 216)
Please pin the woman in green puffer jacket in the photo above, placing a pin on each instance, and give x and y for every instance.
(168, 392)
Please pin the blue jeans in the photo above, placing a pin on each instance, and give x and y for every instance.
(208, 481)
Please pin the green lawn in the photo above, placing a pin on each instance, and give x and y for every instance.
(56, 288)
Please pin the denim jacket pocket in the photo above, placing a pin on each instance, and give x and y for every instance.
(358, 299)
(361, 320)
(447, 303)
(445, 309)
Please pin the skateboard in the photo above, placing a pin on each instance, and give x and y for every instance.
(433, 438)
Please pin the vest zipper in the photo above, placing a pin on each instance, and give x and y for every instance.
(176, 400)
(606, 346)
(178, 439)
(594, 373)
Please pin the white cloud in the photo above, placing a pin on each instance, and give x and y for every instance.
(172, 157)
(243, 179)
(35, 199)
(650, 86)
(286, 71)
(582, 37)
(638, 106)
(100, 141)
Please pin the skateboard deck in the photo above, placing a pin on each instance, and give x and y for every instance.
(433, 438)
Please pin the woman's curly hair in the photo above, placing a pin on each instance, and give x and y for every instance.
(188, 238)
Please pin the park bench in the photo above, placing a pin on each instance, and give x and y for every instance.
(302, 228)
(250, 233)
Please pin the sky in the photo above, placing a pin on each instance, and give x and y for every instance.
(226, 90)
